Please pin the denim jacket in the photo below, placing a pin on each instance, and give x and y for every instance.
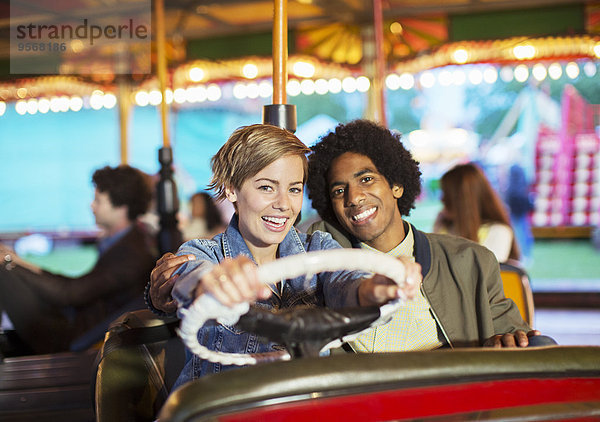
(333, 289)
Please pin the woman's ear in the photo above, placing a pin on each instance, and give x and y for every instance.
(397, 191)
(230, 194)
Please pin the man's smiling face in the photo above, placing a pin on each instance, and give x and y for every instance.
(363, 201)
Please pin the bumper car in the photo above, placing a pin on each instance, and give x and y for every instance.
(534, 384)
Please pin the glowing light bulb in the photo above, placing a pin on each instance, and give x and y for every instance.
(460, 56)
(303, 69)
(196, 74)
(250, 71)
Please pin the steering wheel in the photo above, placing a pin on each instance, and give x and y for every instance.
(334, 327)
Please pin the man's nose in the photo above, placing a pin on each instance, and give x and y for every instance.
(354, 196)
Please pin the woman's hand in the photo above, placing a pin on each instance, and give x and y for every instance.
(233, 281)
(379, 289)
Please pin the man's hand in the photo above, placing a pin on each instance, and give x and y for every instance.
(10, 259)
(162, 280)
(232, 281)
(378, 289)
(517, 339)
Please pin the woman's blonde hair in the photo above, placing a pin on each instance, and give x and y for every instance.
(250, 149)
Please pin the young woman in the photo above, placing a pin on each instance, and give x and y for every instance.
(473, 210)
(261, 169)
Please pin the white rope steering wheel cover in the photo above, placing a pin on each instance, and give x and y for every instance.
(206, 307)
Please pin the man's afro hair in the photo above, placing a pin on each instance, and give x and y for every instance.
(382, 146)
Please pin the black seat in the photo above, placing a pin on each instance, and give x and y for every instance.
(135, 371)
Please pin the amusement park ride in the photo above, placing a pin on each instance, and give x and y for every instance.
(567, 163)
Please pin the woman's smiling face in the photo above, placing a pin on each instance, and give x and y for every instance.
(269, 202)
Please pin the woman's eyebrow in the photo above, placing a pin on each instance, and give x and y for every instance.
(266, 179)
(276, 182)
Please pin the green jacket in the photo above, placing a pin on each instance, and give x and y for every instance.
(461, 281)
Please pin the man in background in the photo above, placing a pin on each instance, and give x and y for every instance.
(50, 311)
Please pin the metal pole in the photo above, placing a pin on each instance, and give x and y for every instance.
(378, 80)
(279, 113)
(161, 68)
(124, 107)
(167, 201)
(280, 52)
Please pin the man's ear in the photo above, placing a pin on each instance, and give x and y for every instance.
(397, 191)
(230, 194)
(123, 211)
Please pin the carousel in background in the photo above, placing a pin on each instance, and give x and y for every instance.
(414, 55)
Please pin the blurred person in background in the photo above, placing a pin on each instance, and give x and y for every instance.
(206, 219)
(49, 311)
(520, 202)
(473, 210)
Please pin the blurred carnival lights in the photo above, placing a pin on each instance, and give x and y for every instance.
(392, 81)
(445, 77)
(555, 71)
(154, 97)
(460, 56)
(142, 98)
(363, 84)
(539, 72)
(349, 84)
(213, 92)
(524, 52)
(307, 87)
(521, 73)
(239, 91)
(252, 90)
(196, 74)
(265, 89)
(475, 76)
(109, 101)
(21, 107)
(321, 86)
(572, 70)
(293, 88)
(250, 71)
(303, 69)
(506, 74)
(590, 69)
(179, 95)
(427, 79)
(490, 74)
(32, 106)
(460, 69)
(44, 105)
(75, 103)
(334, 85)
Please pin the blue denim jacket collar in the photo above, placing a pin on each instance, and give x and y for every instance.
(233, 243)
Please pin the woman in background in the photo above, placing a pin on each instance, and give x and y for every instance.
(473, 210)
(206, 221)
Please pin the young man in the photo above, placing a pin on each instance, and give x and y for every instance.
(362, 180)
(49, 311)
